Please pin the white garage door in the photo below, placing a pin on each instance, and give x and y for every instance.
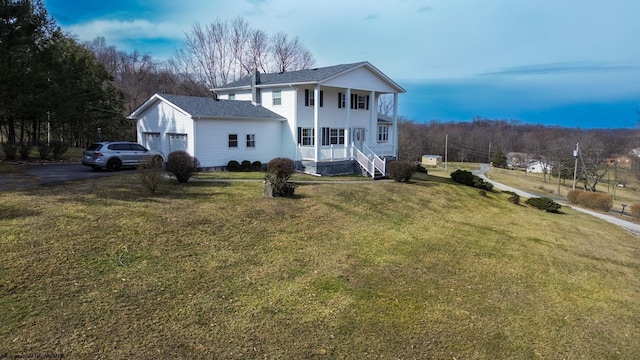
(177, 142)
(152, 141)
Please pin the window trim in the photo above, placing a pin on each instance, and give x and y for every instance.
(233, 140)
(251, 141)
(307, 134)
(278, 97)
(383, 133)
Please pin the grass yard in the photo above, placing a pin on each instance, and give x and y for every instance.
(430, 269)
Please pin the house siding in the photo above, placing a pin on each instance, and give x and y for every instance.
(212, 141)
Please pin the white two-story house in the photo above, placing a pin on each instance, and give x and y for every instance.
(325, 119)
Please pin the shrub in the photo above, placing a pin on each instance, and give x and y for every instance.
(246, 165)
(281, 168)
(635, 210)
(276, 180)
(182, 165)
(482, 192)
(401, 170)
(421, 169)
(514, 199)
(590, 200)
(233, 166)
(467, 178)
(544, 204)
(58, 148)
(24, 149)
(256, 166)
(150, 173)
(10, 150)
(44, 150)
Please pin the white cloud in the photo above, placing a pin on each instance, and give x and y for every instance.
(116, 30)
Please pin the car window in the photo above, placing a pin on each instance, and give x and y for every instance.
(138, 147)
(94, 147)
(119, 147)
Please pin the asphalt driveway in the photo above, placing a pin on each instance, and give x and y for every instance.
(50, 174)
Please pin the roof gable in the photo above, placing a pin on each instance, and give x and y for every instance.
(207, 107)
(310, 76)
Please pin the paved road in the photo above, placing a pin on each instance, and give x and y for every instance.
(630, 226)
(50, 174)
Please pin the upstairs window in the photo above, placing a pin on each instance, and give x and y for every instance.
(309, 97)
(277, 98)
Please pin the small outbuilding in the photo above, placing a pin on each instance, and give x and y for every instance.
(431, 160)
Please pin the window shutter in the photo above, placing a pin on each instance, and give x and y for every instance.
(367, 102)
(306, 97)
(321, 96)
(339, 100)
(299, 135)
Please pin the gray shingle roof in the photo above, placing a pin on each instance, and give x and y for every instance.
(208, 107)
(299, 76)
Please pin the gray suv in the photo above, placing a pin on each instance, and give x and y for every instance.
(113, 155)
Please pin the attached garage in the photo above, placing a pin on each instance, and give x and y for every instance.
(204, 127)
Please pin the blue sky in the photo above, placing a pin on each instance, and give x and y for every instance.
(572, 63)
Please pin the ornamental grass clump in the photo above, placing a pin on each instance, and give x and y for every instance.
(590, 200)
(276, 182)
(150, 173)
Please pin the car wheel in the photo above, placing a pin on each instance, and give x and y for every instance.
(114, 164)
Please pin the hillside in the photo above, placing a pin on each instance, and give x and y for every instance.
(430, 269)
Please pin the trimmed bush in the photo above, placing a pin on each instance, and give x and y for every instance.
(150, 173)
(24, 149)
(44, 150)
(246, 165)
(276, 180)
(544, 204)
(233, 166)
(514, 199)
(421, 169)
(590, 200)
(467, 178)
(58, 148)
(10, 150)
(635, 210)
(182, 165)
(256, 166)
(401, 170)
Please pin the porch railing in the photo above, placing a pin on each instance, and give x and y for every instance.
(369, 159)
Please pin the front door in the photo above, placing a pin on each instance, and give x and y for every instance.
(357, 137)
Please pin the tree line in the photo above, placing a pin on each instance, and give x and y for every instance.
(481, 139)
(56, 88)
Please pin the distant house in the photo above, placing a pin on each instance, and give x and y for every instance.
(622, 161)
(325, 119)
(431, 160)
(539, 167)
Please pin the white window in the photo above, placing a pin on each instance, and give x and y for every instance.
(362, 102)
(233, 140)
(312, 98)
(277, 97)
(342, 100)
(383, 133)
(251, 140)
(306, 136)
(332, 136)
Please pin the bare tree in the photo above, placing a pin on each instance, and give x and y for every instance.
(385, 105)
(289, 53)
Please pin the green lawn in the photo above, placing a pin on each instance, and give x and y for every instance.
(429, 269)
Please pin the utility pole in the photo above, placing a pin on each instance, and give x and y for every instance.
(446, 152)
(575, 169)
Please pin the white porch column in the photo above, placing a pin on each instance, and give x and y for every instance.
(373, 120)
(294, 124)
(395, 124)
(347, 106)
(316, 122)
